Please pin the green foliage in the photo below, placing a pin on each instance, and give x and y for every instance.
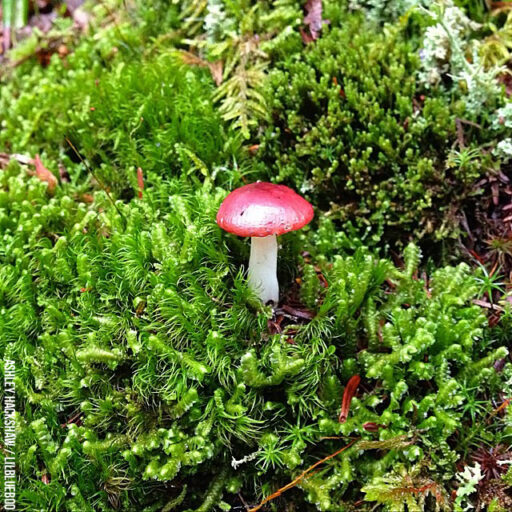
(354, 130)
(157, 116)
(120, 109)
(142, 360)
(495, 48)
(147, 376)
(240, 39)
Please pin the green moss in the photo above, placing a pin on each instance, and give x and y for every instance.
(147, 375)
(353, 130)
(135, 330)
(121, 106)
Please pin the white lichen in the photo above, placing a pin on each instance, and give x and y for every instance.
(449, 51)
(216, 22)
(503, 150)
(503, 117)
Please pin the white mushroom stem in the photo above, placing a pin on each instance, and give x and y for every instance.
(263, 268)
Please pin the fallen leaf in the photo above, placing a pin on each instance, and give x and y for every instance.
(299, 313)
(73, 5)
(306, 37)
(371, 426)
(44, 21)
(192, 59)
(254, 149)
(348, 394)
(216, 68)
(86, 198)
(313, 20)
(322, 279)
(45, 175)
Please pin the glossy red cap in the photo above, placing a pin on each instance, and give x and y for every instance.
(263, 209)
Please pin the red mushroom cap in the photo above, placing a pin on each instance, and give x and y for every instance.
(263, 209)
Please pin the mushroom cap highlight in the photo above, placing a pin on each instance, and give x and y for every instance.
(263, 209)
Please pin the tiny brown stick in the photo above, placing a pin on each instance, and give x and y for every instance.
(304, 474)
(140, 181)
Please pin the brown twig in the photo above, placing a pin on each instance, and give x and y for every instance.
(140, 181)
(488, 305)
(460, 133)
(303, 475)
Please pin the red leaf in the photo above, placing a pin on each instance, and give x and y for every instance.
(371, 426)
(140, 181)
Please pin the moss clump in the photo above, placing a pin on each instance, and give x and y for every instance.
(143, 363)
(353, 129)
(148, 376)
(122, 106)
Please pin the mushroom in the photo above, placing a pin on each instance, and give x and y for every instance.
(263, 211)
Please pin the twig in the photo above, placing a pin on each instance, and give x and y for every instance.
(488, 305)
(305, 473)
(244, 503)
(460, 133)
(470, 123)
